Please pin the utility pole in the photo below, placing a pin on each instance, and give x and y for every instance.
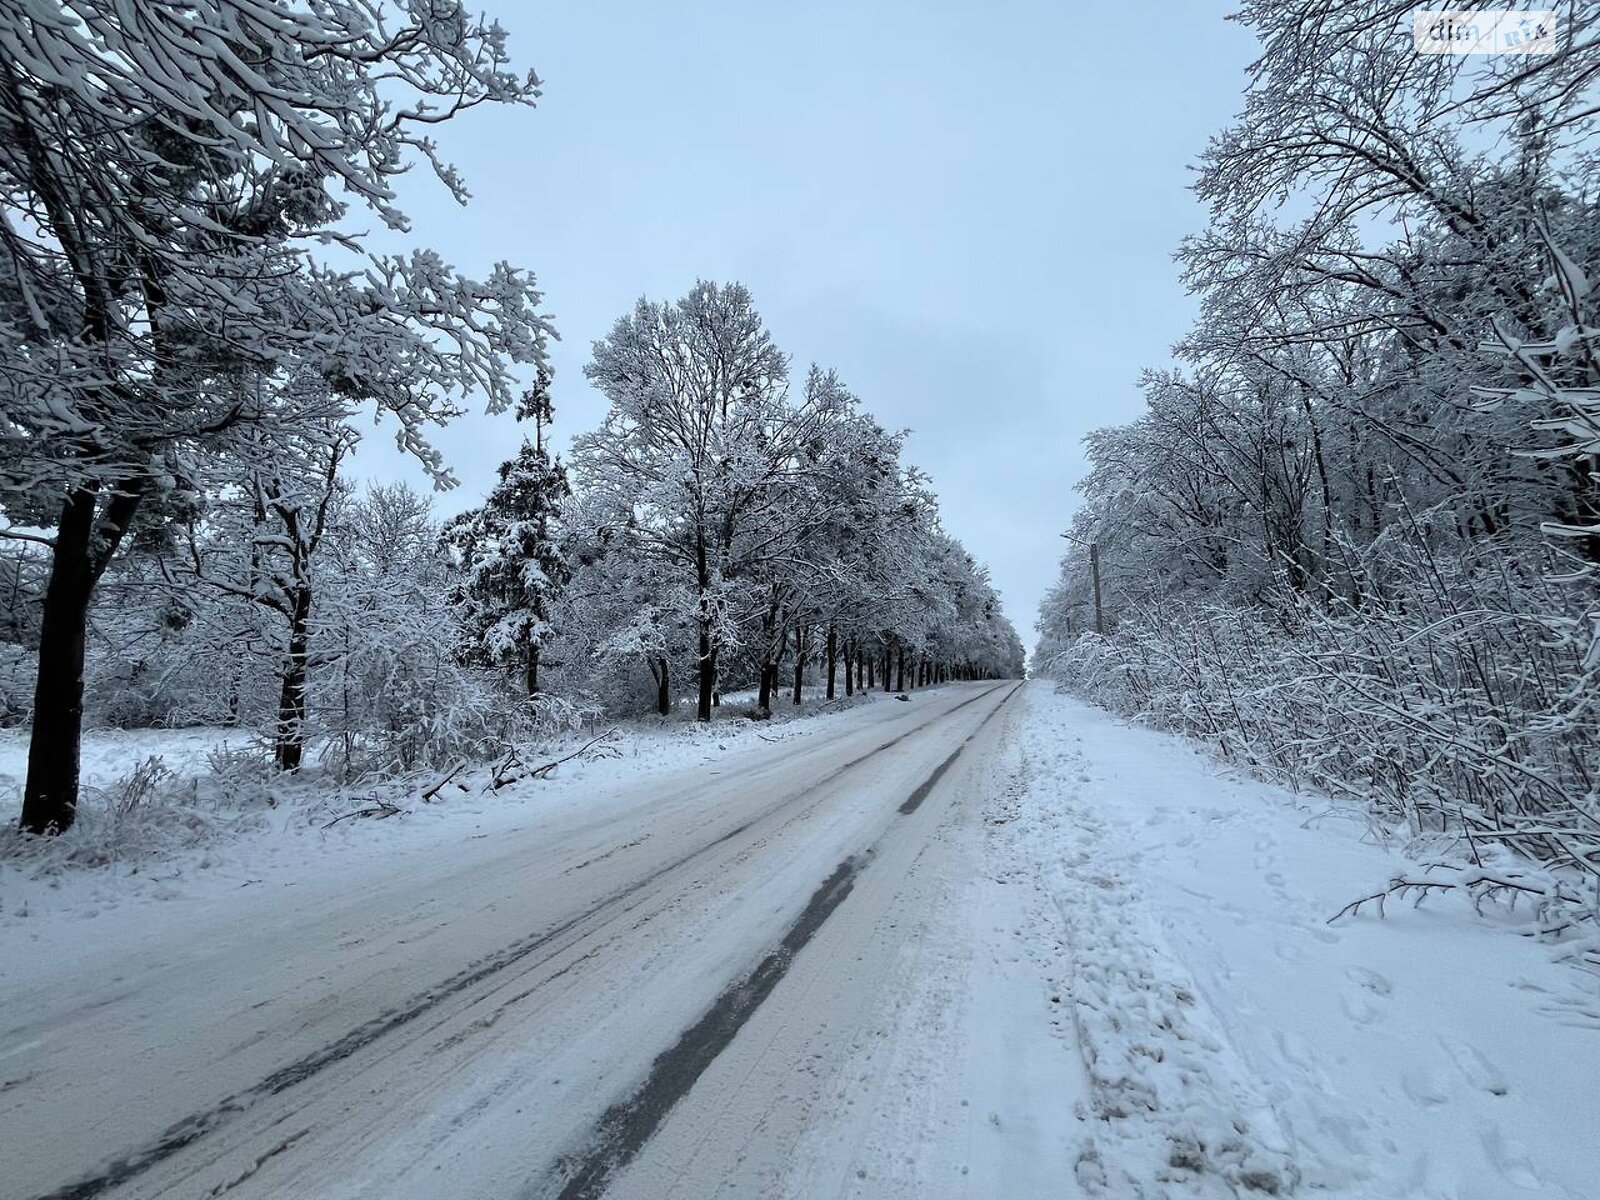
(1094, 574)
(1094, 571)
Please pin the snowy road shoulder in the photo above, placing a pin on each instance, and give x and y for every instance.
(1424, 1055)
(965, 1080)
(1133, 991)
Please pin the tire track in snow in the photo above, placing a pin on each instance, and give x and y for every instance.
(624, 1129)
(193, 1128)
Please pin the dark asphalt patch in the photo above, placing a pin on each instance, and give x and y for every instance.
(921, 794)
(625, 1127)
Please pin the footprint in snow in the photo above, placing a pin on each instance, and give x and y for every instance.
(1510, 1157)
(1425, 1087)
(1297, 1052)
(1358, 1008)
(1474, 1067)
(1370, 980)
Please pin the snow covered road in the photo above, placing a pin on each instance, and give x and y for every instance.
(471, 1021)
(1073, 959)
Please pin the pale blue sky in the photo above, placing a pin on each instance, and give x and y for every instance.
(968, 210)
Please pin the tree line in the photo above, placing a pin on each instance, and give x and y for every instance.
(1353, 539)
(194, 334)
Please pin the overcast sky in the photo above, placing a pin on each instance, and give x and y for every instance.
(968, 210)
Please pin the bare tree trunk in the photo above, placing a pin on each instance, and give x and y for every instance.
(900, 682)
(708, 653)
(289, 745)
(833, 654)
(50, 799)
(663, 686)
(871, 682)
(708, 672)
(85, 540)
(799, 662)
(533, 670)
(849, 669)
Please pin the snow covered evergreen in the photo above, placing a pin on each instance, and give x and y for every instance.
(510, 567)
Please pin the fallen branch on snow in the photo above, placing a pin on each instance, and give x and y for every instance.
(438, 784)
(511, 769)
(1558, 907)
(376, 809)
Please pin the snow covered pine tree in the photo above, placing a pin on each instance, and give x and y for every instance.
(509, 564)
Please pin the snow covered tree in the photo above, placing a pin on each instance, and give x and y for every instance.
(1352, 537)
(166, 173)
(277, 520)
(389, 686)
(770, 526)
(693, 451)
(510, 566)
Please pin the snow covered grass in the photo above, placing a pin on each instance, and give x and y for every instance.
(147, 794)
(173, 812)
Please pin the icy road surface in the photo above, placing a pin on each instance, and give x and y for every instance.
(988, 943)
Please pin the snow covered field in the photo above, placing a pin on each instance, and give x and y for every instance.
(1074, 959)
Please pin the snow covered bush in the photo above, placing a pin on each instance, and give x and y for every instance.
(387, 689)
(18, 666)
(1442, 717)
(148, 815)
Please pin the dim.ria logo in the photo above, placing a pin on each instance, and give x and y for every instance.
(1467, 31)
